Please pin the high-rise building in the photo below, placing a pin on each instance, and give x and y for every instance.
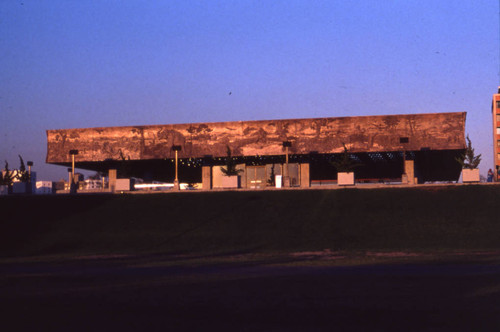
(495, 110)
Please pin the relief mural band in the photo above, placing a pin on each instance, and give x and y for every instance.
(435, 131)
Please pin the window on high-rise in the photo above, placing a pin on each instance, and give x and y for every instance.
(498, 103)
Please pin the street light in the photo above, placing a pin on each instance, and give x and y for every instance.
(176, 148)
(286, 177)
(30, 163)
(72, 187)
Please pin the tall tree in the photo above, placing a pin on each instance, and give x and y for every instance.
(345, 163)
(7, 177)
(22, 174)
(230, 168)
(469, 159)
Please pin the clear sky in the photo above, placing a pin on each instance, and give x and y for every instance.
(83, 63)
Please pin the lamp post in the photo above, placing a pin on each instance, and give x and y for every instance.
(176, 148)
(30, 163)
(70, 177)
(286, 177)
(72, 187)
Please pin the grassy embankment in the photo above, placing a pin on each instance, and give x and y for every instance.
(388, 219)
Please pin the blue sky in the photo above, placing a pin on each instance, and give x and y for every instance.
(78, 63)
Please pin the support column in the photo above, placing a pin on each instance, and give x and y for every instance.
(242, 175)
(410, 171)
(206, 177)
(305, 178)
(286, 170)
(112, 180)
(176, 180)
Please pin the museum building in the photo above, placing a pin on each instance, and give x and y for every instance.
(412, 148)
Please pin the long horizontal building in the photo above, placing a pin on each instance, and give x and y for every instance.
(422, 146)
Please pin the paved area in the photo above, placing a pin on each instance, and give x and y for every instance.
(312, 187)
(300, 293)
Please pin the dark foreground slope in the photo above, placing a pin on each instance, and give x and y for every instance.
(425, 218)
(152, 289)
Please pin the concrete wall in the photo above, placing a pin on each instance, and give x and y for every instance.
(206, 177)
(217, 177)
(410, 171)
(124, 184)
(112, 179)
(305, 179)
